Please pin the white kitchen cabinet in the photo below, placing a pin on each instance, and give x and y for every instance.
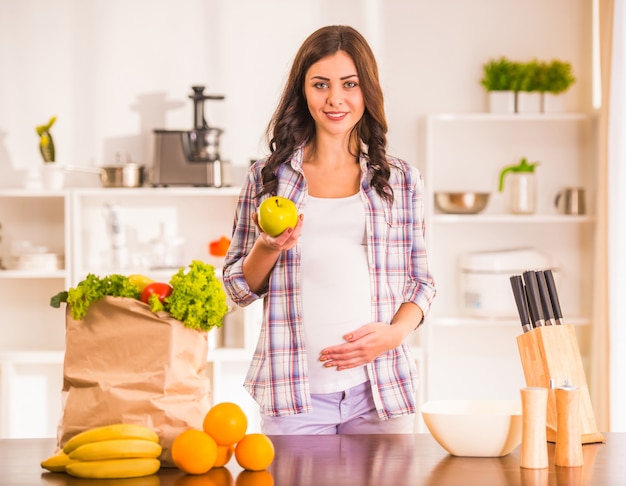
(32, 341)
(76, 223)
(477, 357)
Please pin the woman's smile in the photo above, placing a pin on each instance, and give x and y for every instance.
(336, 115)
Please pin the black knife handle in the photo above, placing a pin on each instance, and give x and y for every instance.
(530, 311)
(554, 296)
(520, 300)
(546, 304)
(534, 301)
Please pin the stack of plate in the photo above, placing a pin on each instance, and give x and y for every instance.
(42, 262)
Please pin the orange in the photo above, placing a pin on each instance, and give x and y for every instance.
(254, 478)
(224, 453)
(226, 422)
(194, 452)
(254, 452)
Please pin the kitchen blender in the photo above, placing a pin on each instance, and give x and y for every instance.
(189, 157)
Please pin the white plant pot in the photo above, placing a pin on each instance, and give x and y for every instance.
(501, 102)
(52, 176)
(529, 102)
(552, 103)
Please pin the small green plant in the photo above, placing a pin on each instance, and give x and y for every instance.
(46, 142)
(500, 74)
(558, 76)
(532, 76)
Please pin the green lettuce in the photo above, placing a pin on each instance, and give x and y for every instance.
(197, 299)
(92, 289)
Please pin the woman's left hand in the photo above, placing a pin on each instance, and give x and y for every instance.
(363, 345)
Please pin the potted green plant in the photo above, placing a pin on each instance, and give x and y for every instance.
(557, 78)
(530, 81)
(53, 176)
(46, 142)
(500, 79)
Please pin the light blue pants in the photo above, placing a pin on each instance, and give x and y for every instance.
(348, 412)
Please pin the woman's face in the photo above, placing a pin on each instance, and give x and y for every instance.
(333, 94)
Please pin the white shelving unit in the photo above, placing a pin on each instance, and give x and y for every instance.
(75, 222)
(32, 341)
(469, 357)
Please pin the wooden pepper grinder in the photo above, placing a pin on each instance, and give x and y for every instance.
(534, 451)
(568, 448)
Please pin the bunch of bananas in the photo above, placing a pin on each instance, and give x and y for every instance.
(112, 451)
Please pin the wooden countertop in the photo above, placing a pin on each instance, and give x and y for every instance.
(354, 460)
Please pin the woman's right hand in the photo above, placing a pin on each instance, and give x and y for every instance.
(284, 241)
(259, 263)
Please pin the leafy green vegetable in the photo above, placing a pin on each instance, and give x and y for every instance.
(198, 298)
(91, 290)
(155, 303)
(58, 299)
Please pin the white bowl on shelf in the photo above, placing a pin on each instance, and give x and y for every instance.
(475, 428)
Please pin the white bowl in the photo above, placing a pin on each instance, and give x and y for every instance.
(475, 428)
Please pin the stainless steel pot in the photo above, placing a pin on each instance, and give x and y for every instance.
(126, 175)
(118, 175)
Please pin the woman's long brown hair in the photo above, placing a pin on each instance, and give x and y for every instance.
(292, 124)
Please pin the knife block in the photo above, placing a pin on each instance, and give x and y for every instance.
(551, 352)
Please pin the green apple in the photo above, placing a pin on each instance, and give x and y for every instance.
(276, 214)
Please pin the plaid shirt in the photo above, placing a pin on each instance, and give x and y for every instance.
(277, 377)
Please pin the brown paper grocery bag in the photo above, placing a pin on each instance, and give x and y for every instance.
(125, 364)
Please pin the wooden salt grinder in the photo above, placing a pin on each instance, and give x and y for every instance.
(534, 450)
(568, 448)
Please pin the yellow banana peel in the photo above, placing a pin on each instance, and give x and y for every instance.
(110, 432)
(116, 449)
(57, 462)
(113, 468)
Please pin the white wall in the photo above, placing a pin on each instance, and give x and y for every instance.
(113, 70)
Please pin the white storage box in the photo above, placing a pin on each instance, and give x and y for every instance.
(485, 286)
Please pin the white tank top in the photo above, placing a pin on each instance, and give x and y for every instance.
(336, 297)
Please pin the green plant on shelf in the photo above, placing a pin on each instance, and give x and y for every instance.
(500, 74)
(558, 76)
(46, 142)
(532, 76)
(503, 74)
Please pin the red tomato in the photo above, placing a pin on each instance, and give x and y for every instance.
(160, 289)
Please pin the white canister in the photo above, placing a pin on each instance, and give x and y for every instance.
(485, 286)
